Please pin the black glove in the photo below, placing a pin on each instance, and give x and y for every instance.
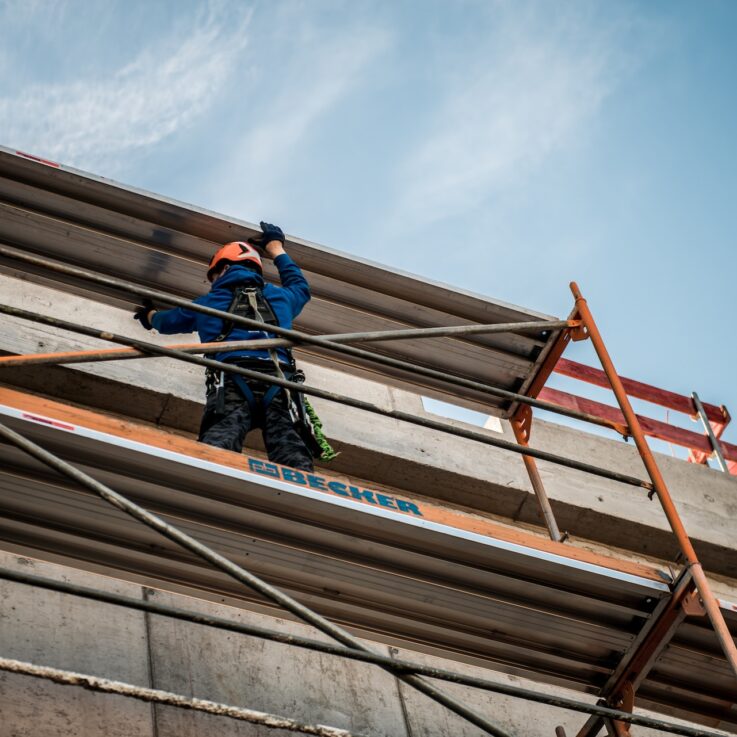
(141, 313)
(270, 233)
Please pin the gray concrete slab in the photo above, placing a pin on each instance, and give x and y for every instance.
(173, 722)
(213, 664)
(705, 498)
(32, 707)
(49, 628)
(273, 677)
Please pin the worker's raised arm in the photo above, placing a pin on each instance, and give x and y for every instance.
(293, 281)
(271, 241)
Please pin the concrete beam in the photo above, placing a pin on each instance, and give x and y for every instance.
(386, 451)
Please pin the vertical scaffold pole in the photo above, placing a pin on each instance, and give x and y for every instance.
(521, 433)
(521, 422)
(709, 432)
(711, 605)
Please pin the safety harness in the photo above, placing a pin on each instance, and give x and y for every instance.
(250, 302)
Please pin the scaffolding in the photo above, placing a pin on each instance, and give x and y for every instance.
(75, 206)
(690, 590)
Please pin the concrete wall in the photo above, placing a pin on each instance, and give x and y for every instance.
(381, 450)
(65, 632)
(71, 633)
(75, 634)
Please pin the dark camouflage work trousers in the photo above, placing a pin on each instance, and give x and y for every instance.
(228, 429)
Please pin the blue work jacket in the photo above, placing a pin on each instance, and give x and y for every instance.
(286, 301)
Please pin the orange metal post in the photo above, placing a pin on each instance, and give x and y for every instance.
(521, 421)
(711, 605)
(536, 481)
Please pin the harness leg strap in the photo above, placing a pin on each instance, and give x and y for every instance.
(248, 395)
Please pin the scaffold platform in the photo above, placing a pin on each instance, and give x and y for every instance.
(388, 566)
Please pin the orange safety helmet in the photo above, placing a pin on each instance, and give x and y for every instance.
(233, 253)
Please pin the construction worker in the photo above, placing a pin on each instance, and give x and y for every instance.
(235, 404)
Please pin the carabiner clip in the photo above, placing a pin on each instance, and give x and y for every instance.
(220, 394)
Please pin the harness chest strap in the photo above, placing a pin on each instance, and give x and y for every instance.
(256, 307)
(273, 389)
(250, 302)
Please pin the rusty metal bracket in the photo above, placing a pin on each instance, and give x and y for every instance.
(522, 424)
(622, 729)
(549, 362)
(617, 729)
(644, 651)
(692, 605)
(578, 331)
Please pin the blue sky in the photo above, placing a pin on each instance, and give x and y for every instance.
(503, 147)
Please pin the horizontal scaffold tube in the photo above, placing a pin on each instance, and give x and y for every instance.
(407, 666)
(260, 343)
(298, 337)
(158, 696)
(238, 573)
(325, 394)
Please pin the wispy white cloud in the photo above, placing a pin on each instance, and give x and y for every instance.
(18, 12)
(322, 79)
(322, 70)
(16, 16)
(96, 122)
(524, 95)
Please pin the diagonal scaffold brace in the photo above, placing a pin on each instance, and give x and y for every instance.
(240, 574)
(660, 487)
(695, 570)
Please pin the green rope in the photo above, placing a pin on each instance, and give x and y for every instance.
(327, 450)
